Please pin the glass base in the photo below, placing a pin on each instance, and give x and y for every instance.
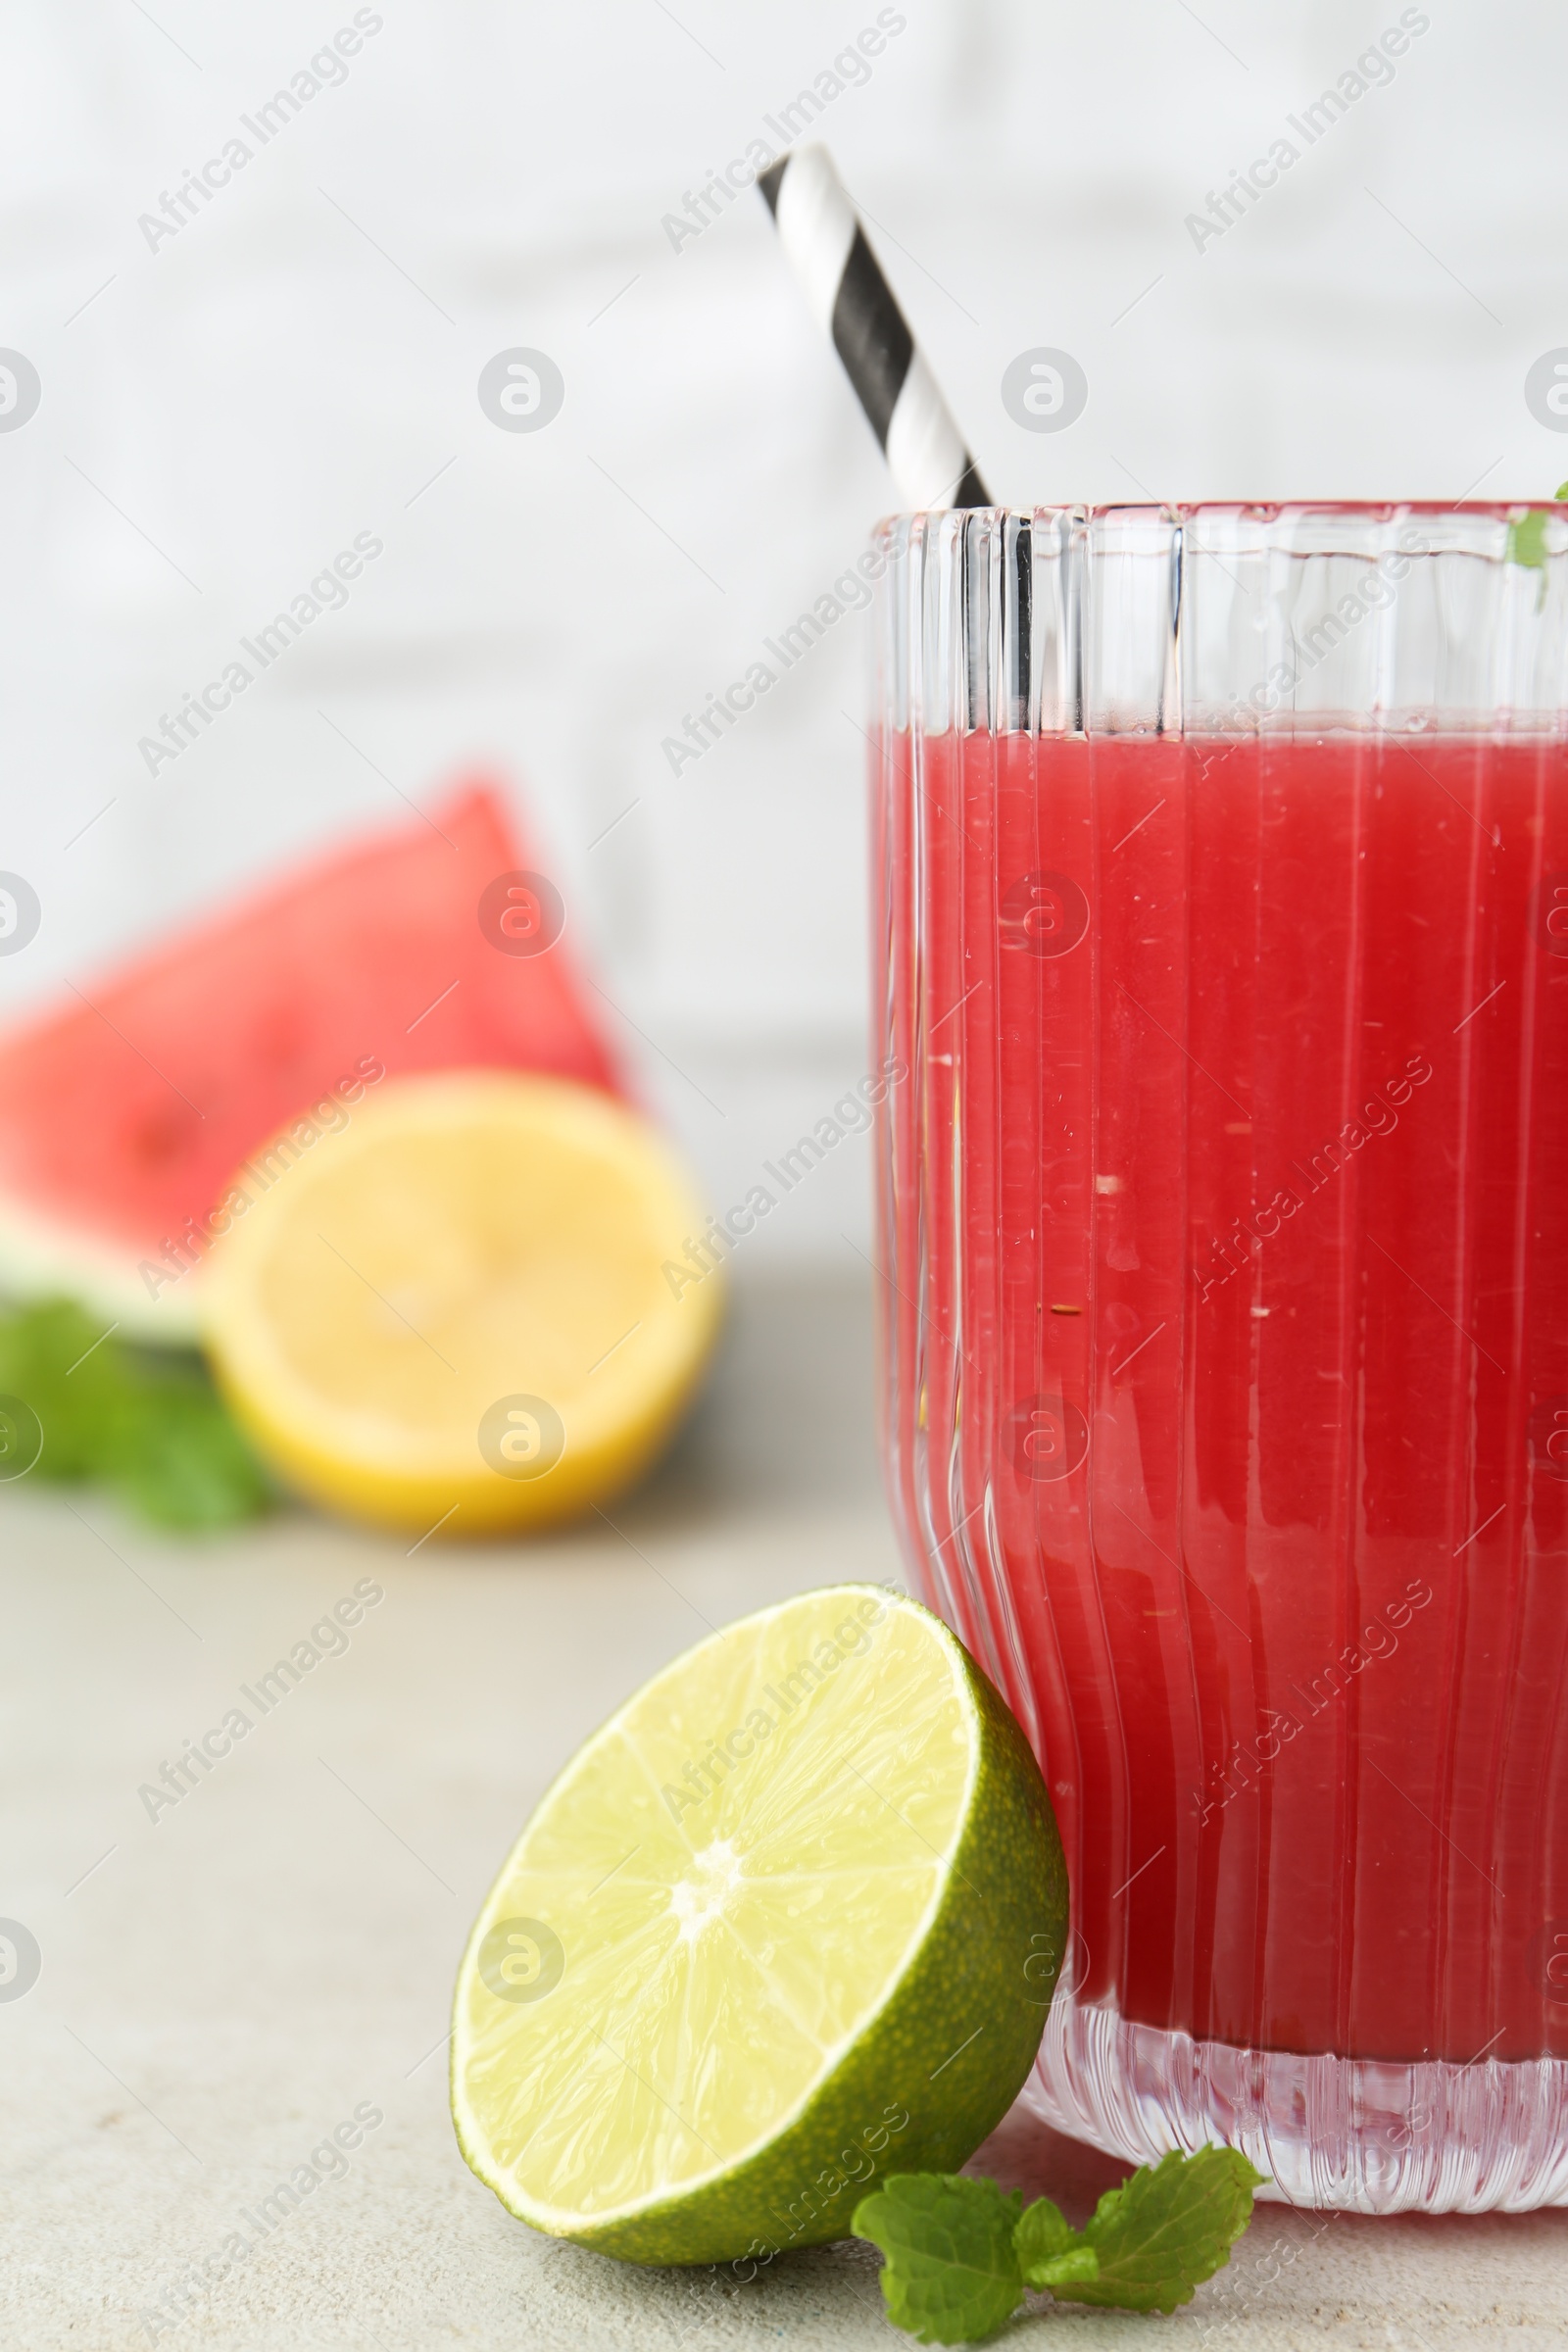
(1356, 2134)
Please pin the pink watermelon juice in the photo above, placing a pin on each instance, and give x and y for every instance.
(1228, 1318)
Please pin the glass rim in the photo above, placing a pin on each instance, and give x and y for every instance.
(1136, 616)
(1257, 511)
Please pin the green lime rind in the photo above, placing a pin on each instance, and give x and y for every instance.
(928, 2075)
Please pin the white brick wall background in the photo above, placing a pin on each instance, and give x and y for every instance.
(221, 414)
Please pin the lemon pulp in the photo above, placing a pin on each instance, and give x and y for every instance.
(458, 1302)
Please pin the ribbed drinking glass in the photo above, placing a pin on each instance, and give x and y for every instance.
(1222, 924)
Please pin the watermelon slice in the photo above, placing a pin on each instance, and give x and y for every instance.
(125, 1115)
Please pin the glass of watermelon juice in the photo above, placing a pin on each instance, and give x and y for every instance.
(1222, 922)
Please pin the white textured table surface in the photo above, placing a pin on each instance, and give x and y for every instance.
(226, 1985)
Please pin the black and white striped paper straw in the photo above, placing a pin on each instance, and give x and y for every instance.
(841, 281)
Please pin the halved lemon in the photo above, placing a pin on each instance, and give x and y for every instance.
(454, 1311)
(787, 1923)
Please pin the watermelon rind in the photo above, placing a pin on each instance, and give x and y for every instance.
(42, 1259)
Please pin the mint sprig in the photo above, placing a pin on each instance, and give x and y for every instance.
(1525, 543)
(959, 2253)
(146, 1423)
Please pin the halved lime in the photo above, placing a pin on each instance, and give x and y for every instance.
(789, 1922)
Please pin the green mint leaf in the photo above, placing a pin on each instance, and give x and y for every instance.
(174, 1454)
(1078, 2265)
(950, 2273)
(1166, 2230)
(1526, 539)
(148, 1424)
(1050, 2252)
(48, 1360)
(1561, 490)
